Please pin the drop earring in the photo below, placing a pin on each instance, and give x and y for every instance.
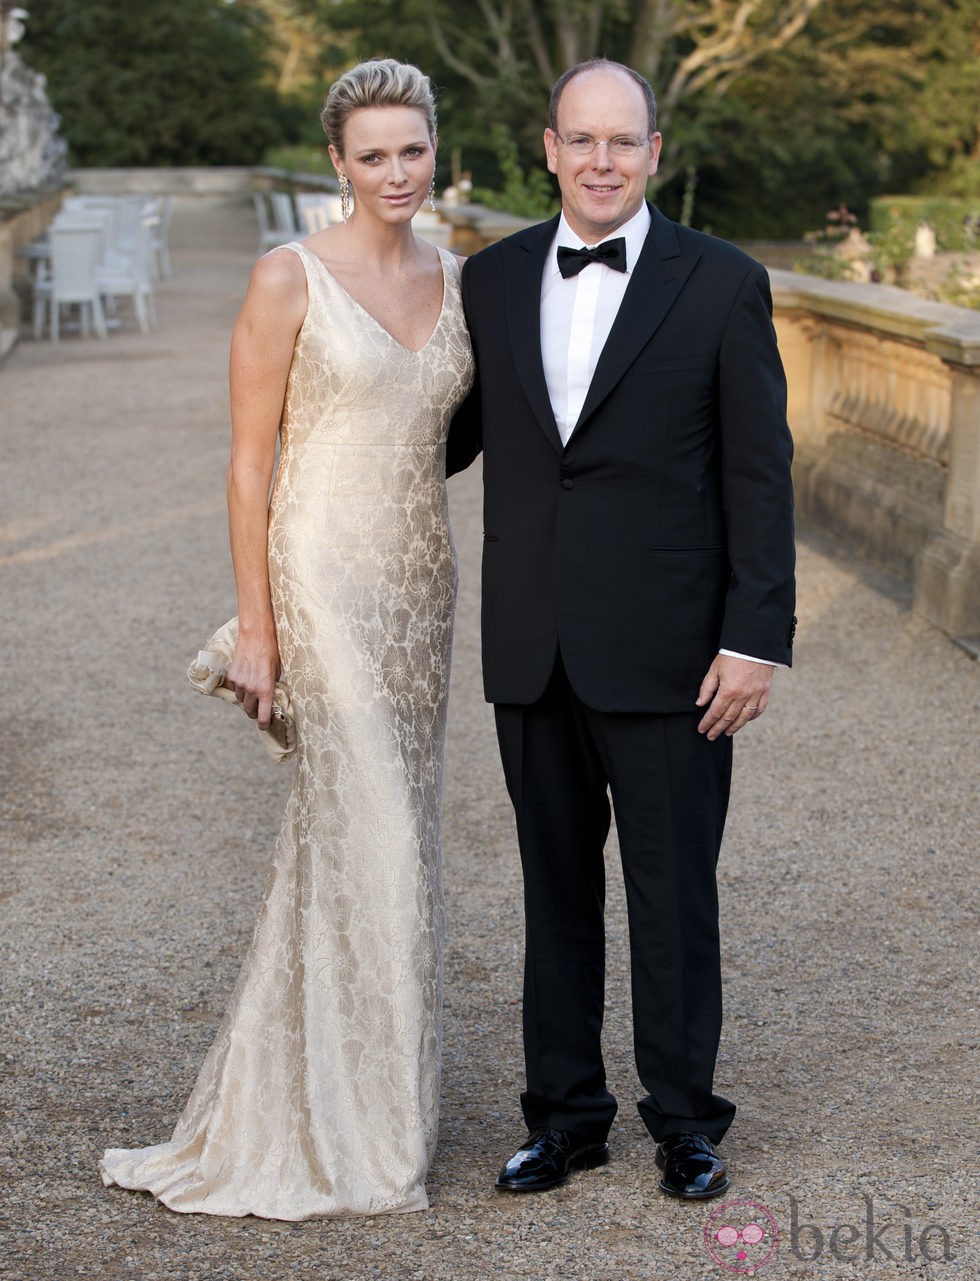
(345, 200)
(432, 193)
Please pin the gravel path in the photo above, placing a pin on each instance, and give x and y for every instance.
(138, 820)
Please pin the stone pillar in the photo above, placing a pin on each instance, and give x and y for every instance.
(947, 573)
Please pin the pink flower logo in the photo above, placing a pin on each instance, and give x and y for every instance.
(741, 1236)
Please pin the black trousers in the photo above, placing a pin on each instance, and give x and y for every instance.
(669, 788)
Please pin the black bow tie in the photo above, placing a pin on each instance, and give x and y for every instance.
(610, 252)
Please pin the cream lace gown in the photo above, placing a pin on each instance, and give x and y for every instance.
(320, 1093)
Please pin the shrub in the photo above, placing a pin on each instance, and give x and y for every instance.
(955, 220)
(528, 195)
(158, 82)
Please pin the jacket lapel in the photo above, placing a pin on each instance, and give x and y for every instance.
(523, 266)
(660, 274)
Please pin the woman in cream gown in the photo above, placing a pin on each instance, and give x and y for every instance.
(320, 1093)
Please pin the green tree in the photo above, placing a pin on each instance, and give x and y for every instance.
(161, 82)
(938, 132)
(857, 105)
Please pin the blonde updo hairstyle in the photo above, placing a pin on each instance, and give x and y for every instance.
(379, 82)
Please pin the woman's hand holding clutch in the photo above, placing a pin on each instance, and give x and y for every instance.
(235, 670)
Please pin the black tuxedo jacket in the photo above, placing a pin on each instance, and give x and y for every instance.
(663, 530)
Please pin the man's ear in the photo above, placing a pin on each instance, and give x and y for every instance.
(656, 141)
(551, 149)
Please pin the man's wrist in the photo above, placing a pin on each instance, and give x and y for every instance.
(750, 658)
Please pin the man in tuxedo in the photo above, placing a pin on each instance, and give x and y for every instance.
(637, 595)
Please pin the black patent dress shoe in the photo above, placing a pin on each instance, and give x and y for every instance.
(547, 1158)
(692, 1167)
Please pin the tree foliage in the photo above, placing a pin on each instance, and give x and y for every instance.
(938, 130)
(772, 110)
(859, 104)
(159, 82)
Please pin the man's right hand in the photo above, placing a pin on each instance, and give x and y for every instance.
(734, 692)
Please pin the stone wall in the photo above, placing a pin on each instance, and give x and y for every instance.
(884, 403)
(220, 181)
(213, 180)
(20, 227)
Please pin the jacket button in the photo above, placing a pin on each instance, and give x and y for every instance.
(568, 484)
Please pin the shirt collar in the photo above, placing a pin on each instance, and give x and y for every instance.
(634, 232)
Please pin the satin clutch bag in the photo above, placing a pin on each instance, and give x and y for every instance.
(208, 672)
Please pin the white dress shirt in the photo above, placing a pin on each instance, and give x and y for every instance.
(577, 314)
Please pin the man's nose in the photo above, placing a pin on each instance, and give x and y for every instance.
(602, 156)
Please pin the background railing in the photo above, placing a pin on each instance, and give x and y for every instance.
(884, 403)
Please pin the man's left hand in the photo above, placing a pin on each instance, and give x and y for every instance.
(734, 692)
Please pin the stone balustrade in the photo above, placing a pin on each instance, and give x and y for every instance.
(474, 226)
(884, 403)
(204, 181)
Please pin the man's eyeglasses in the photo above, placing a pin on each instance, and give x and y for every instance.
(580, 144)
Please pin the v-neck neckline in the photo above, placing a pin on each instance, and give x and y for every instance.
(411, 351)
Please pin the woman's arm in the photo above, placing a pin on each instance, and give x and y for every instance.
(261, 353)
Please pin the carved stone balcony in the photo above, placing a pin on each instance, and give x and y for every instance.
(884, 403)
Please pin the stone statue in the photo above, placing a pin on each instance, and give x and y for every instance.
(31, 153)
(855, 252)
(925, 241)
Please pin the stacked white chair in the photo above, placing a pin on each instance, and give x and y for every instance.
(76, 249)
(269, 235)
(161, 213)
(335, 208)
(128, 268)
(314, 210)
(131, 235)
(283, 214)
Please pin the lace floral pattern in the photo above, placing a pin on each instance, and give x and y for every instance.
(320, 1093)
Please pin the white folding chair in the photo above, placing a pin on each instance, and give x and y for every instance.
(160, 237)
(128, 270)
(78, 206)
(283, 214)
(75, 252)
(95, 214)
(129, 213)
(122, 214)
(334, 208)
(269, 236)
(311, 206)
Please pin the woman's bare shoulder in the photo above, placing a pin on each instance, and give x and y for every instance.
(279, 280)
(279, 269)
(277, 293)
